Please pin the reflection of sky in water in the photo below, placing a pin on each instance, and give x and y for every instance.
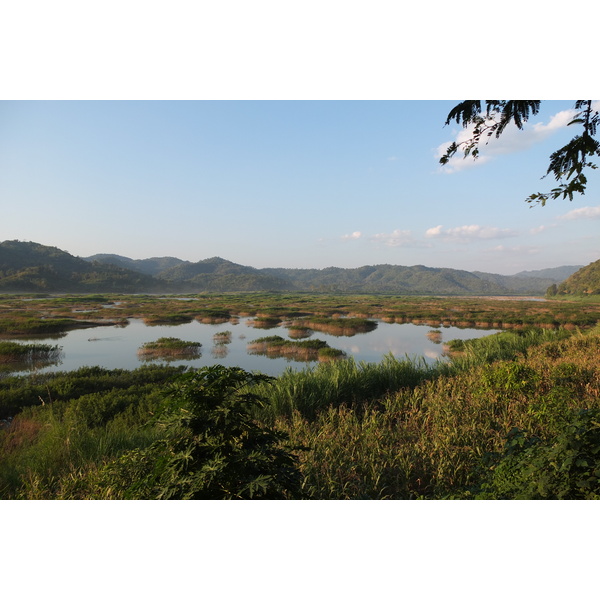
(116, 347)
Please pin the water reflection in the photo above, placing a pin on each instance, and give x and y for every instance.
(226, 343)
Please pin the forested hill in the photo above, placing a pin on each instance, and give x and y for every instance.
(389, 279)
(149, 266)
(218, 274)
(31, 267)
(585, 282)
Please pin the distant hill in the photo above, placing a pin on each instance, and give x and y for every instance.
(388, 279)
(584, 282)
(29, 267)
(220, 275)
(149, 266)
(530, 282)
(557, 273)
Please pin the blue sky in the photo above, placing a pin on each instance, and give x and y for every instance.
(287, 184)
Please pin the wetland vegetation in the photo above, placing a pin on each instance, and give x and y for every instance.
(275, 345)
(169, 348)
(511, 415)
(15, 356)
(53, 314)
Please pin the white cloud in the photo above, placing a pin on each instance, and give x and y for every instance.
(586, 212)
(434, 231)
(352, 236)
(466, 233)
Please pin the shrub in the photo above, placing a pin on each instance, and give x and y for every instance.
(212, 448)
(566, 467)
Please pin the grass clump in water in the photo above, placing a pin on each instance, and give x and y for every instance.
(169, 348)
(222, 337)
(15, 356)
(275, 346)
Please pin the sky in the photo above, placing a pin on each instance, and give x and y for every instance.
(284, 183)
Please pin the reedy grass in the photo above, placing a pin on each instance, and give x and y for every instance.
(307, 350)
(342, 382)
(169, 348)
(434, 440)
(505, 345)
(13, 351)
(48, 445)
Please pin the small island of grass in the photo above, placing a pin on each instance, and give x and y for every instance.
(275, 346)
(346, 326)
(169, 348)
(264, 322)
(13, 354)
(222, 337)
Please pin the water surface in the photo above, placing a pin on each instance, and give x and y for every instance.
(116, 346)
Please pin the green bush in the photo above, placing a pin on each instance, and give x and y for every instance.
(212, 448)
(564, 468)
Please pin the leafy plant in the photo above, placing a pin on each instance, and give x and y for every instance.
(212, 448)
(566, 164)
(564, 468)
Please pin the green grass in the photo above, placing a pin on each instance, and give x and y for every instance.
(26, 352)
(436, 440)
(504, 345)
(342, 382)
(169, 348)
(307, 350)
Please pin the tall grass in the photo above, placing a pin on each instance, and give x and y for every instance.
(435, 440)
(47, 446)
(505, 345)
(13, 351)
(344, 382)
(353, 383)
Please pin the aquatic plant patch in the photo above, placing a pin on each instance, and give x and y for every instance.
(169, 348)
(307, 350)
(15, 352)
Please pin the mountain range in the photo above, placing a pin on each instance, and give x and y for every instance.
(31, 267)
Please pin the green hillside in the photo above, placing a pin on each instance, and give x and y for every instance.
(392, 279)
(149, 266)
(220, 275)
(31, 267)
(584, 282)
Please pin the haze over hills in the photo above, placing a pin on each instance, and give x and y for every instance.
(32, 267)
